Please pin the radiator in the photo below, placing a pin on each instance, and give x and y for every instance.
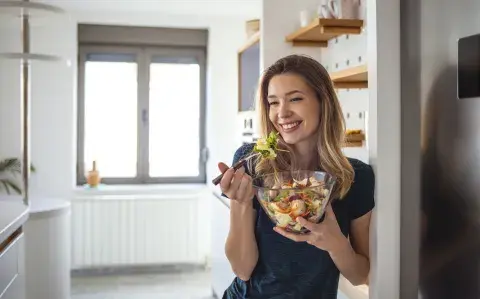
(126, 230)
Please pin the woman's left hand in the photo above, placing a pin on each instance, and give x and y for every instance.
(325, 235)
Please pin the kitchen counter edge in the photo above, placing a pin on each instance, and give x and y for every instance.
(12, 216)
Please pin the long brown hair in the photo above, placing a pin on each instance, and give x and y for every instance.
(331, 127)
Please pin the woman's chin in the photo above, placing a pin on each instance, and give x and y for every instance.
(290, 139)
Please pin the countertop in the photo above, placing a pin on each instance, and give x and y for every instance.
(46, 207)
(222, 199)
(13, 214)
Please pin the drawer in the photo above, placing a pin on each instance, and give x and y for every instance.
(9, 258)
(15, 290)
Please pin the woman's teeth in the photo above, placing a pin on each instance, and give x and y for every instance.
(290, 125)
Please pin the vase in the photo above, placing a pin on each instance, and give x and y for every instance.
(93, 177)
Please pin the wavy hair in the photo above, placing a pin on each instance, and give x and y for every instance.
(331, 129)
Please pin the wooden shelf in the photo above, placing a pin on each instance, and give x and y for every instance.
(354, 140)
(320, 31)
(254, 39)
(355, 77)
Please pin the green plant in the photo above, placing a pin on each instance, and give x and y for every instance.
(10, 170)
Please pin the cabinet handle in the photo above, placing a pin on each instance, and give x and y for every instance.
(145, 117)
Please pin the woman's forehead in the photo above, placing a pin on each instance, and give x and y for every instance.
(286, 84)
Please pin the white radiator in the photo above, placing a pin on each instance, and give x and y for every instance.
(124, 230)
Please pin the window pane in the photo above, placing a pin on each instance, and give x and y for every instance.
(111, 117)
(174, 120)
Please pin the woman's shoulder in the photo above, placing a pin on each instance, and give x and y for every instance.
(361, 169)
(361, 196)
(364, 177)
(243, 151)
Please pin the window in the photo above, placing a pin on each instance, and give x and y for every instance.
(141, 114)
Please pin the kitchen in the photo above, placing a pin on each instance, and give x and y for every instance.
(365, 78)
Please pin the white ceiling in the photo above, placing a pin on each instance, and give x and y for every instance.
(241, 8)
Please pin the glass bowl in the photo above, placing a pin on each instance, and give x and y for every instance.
(286, 195)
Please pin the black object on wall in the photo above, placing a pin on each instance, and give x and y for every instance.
(468, 69)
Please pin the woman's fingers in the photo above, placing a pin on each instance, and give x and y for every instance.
(222, 167)
(313, 227)
(243, 187)
(225, 183)
(237, 179)
(292, 236)
(251, 190)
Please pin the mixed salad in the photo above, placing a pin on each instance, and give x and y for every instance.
(287, 200)
(305, 198)
(267, 147)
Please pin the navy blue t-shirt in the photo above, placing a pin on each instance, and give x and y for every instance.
(297, 270)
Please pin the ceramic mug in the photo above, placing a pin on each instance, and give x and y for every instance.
(346, 9)
(304, 18)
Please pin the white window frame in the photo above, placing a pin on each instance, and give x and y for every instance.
(144, 55)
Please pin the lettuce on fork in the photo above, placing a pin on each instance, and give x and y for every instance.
(267, 147)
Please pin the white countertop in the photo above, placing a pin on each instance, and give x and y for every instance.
(45, 207)
(218, 194)
(13, 214)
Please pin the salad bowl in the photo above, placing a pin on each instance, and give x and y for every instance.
(286, 195)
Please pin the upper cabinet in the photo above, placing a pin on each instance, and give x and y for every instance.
(249, 67)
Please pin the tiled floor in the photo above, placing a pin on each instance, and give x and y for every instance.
(194, 285)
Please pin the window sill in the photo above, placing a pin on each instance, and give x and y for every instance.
(151, 189)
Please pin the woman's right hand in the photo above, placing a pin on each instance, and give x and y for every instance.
(236, 185)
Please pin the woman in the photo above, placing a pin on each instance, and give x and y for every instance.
(296, 98)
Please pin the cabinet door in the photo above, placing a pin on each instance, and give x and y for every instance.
(12, 264)
(222, 274)
(248, 77)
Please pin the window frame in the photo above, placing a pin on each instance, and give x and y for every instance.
(144, 55)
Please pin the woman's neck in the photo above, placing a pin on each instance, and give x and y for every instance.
(306, 155)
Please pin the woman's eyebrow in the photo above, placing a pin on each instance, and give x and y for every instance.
(272, 96)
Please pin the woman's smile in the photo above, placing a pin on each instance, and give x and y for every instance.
(289, 127)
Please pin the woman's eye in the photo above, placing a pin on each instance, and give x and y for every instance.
(296, 99)
(272, 103)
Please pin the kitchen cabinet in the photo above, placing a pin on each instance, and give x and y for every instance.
(13, 215)
(248, 73)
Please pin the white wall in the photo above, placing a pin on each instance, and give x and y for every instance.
(342, 53)
(279, 19)
(52, 103)
(54, 110)
(383, 48)
(10, 101)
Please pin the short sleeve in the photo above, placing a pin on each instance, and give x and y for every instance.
(242, 152)
(361, 198)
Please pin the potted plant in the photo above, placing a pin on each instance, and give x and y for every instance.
(10, 176)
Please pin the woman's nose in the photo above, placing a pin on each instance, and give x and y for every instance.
(284, 110)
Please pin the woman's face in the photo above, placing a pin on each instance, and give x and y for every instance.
(294, 108)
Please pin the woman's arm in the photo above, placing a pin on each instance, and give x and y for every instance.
(352, 258)
(241, 246)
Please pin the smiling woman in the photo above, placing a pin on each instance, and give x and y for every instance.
(297, 102)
